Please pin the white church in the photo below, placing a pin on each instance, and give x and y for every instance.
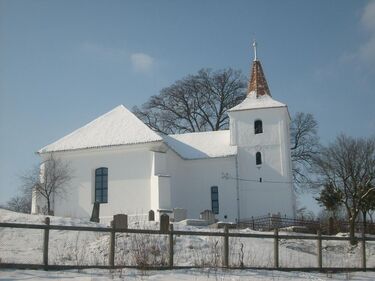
(128, 168)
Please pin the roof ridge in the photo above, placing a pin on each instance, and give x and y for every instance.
(201, 132)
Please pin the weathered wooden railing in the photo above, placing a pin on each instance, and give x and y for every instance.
(226, 234)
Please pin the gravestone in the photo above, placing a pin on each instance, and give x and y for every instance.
(164, 223)
(95, 212)
(120, 221)
(151, 215)
(208, 215)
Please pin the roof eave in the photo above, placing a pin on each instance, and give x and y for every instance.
(40, 152)
(199, 158)
(266, 107)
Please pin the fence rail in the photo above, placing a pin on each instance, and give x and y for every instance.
(172, 234)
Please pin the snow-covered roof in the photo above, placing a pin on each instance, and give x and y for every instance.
(252, 101)
(116, 127)
(121, 127)
(201, 145)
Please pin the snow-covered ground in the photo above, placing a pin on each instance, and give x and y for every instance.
(91, 248)
(185, 274)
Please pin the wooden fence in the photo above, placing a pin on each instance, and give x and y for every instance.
(171, 233)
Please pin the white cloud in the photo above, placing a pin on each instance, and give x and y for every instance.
(368, 16)
(141, 62)
(366, 51)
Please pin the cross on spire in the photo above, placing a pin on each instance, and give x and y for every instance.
(255, 50)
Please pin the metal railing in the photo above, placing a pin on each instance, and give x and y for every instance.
(270, 222)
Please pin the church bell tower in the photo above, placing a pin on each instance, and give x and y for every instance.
(259, 127)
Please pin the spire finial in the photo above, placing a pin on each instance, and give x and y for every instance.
(255, 50)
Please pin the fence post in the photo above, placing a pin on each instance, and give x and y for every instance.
(276, 247)
(112, 242)
(269, 221)
(363, 249)
(330, 225)
(319, 246)
(45, 243)
(171, 246)
(226, 247)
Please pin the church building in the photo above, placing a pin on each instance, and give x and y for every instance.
(128, 168)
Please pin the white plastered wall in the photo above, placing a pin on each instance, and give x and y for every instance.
(191, 182)
(275, 193)
(160, 184)
(129, 174)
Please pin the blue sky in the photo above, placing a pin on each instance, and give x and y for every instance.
(63, 63)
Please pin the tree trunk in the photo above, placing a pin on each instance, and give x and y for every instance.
(352, 230)
(364, 221)
(48, 206)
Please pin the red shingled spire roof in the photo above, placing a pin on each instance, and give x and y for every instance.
(258, 82)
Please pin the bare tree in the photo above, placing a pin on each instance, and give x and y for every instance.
(49, 180)
(348, 165)
(200, 102)
(20, 203)
(196, 103)
(304, 145)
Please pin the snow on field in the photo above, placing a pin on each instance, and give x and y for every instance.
(185, 274)
(91, 248)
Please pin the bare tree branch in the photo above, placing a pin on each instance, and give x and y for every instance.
(49, 179)
(194, 104)
(304, 145)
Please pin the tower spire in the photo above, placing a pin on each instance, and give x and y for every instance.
(257, 82)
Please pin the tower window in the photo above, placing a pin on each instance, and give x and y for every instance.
(258, 127)
(101, 185)
(215, 199)
(258, 158)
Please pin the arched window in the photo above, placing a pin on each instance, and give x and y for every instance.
(258, 158)
(101, 185)
(215, 199)
(258, 127)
